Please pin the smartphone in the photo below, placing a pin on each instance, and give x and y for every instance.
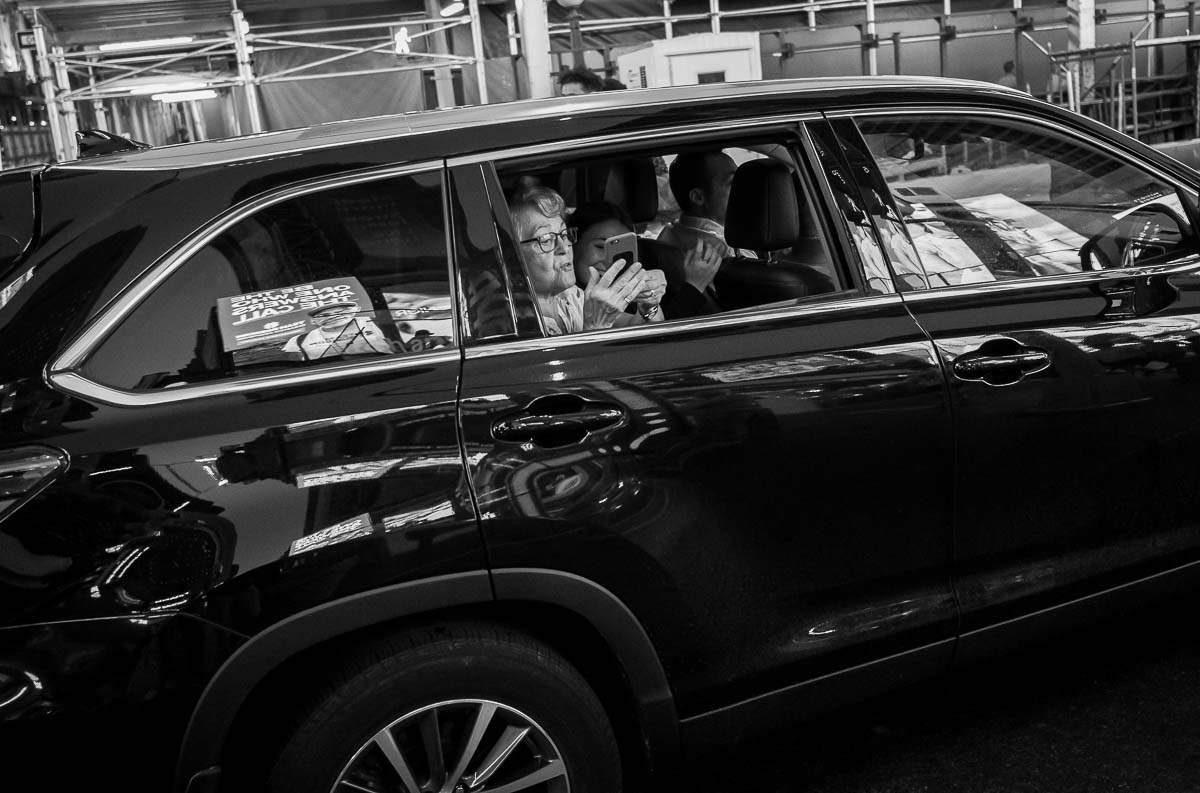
(620, 250)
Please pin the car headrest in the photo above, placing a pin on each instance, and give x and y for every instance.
(632, 184)
(764, 207)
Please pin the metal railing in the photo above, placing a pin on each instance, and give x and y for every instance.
(1104, 83)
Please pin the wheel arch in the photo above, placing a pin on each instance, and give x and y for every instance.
(623, 634)
(467, 595)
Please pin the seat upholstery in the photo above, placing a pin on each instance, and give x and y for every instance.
(765, 214)
(631, 184)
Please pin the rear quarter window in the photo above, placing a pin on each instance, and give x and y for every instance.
(343, 274)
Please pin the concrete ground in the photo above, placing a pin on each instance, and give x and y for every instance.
(1111, 708)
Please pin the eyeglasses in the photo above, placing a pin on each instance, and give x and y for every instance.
(547, 242)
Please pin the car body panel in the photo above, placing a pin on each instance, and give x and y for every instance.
(1091, 458)
(793, 507)
(695, 534)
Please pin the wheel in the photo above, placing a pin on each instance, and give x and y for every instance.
(469, 708)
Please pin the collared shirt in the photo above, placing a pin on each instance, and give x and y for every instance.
(683, 233)
(568, 313)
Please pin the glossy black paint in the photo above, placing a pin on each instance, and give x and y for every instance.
(1090, 457)
(695, 531)
(778, 511)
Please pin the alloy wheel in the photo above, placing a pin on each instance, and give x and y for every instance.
(459, 746)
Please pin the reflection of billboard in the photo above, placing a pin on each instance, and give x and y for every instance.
(1046, 245)
(423, 321)
(304, 322)
(948, 261)
(328, 319)
(358, 526)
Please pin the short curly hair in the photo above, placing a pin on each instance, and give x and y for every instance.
(590, 81)
(540, 200)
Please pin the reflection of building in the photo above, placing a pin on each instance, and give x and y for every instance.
(24, 129)
(384, 471)
(154, 542)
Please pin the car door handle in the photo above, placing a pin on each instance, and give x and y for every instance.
(1025, 362)
(1002, 362)
(565, 420)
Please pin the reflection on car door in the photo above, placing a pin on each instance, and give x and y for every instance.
(766, 491)
(1073, 393)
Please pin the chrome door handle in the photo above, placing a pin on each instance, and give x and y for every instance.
(1000, 362)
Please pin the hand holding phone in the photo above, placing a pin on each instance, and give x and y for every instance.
(621, 251)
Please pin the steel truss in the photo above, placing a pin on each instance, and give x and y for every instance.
(89, 75)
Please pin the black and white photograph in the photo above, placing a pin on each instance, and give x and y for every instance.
(600, 396)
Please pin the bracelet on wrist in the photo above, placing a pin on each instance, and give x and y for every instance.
(650, 313)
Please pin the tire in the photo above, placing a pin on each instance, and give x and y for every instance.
(470, 685)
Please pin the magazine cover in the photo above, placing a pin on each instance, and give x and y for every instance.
(321, 319)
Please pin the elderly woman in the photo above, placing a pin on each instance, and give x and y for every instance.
(546, 245)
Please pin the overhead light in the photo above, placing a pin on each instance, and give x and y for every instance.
(118, 46)
(158, 88)
(450, 9)
(185, 96)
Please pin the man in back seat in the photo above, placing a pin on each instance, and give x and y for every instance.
(700, 182)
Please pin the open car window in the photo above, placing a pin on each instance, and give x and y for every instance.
(987, 200)
(343, 274)
(768, 226)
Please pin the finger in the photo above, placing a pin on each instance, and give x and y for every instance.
(595, 280)
(605, 278)
(633, 271)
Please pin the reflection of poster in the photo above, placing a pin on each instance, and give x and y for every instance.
(421, 317)
(1046, 245)
(321, 319)
(347, 472)
(948, 260)
(354, 528)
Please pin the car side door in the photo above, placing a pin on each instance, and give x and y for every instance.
(766, 490)
(1062, 297)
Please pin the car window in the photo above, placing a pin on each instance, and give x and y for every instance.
(986, 200)
(343, 274)
(726, 224)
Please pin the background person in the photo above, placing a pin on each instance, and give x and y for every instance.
(1009, 77)
(574, 82)
(546, 247)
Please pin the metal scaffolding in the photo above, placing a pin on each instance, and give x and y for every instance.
(80, 79)
(97, 75)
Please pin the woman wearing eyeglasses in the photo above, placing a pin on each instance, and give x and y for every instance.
(546, 247)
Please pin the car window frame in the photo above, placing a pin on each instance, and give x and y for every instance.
(790, 124)
(64, 369)
(1073, 134)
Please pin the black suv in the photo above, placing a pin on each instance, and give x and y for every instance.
(292, 459)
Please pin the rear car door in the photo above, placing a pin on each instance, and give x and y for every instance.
(1062, 296)
(766, 489)
(264, 423)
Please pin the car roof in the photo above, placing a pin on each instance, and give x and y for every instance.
(530, 111)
